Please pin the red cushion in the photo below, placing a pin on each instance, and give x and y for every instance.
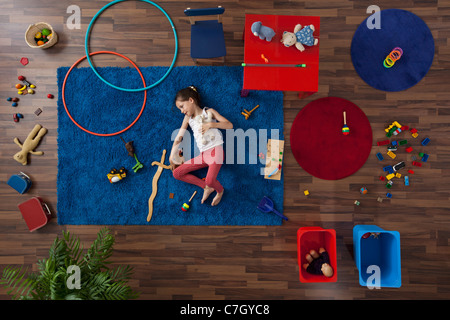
(320, 147)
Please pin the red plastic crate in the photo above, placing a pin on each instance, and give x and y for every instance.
(313, 238)
(35, 213)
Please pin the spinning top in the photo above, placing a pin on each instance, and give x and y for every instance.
(185, 206)
(345, 128)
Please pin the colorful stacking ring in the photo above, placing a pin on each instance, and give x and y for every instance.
(395, 54)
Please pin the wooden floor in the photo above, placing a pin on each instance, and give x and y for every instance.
(184, 262)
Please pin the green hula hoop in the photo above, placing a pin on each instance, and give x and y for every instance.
(86, 46)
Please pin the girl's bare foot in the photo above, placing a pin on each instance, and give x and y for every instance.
(206, 192)
(217, 198)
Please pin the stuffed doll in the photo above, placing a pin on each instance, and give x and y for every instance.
(262, 32)
(30, 144)
(300, 37)
(204, 119)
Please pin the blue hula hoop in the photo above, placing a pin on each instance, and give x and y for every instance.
(86, 46)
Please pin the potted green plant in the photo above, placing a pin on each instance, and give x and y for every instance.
(71, 273)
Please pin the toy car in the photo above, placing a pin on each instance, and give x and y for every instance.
(116, 175)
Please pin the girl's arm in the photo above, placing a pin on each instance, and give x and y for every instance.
(222, 123)
(179, 137)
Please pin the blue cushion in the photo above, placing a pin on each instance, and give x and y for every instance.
(207, 40)
(399, 28)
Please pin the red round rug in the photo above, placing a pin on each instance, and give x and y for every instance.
(320, 147)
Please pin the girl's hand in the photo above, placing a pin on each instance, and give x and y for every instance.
(205, 127)
(173, 165)
(178, 140)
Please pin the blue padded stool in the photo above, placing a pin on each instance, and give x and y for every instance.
(207, 37)
(398, 28)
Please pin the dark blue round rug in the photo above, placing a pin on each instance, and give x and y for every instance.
(398, 28)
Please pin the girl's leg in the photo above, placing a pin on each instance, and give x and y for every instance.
(183, 172)
(214, 159)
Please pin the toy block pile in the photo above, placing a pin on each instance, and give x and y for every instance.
(392, 146)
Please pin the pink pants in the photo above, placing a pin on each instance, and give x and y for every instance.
(212, 158)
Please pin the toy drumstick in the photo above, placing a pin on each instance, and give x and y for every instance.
(345, 128)
(301, 65)
(185, 206)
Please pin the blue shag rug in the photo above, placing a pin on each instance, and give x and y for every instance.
(85, 195)
(398, 28)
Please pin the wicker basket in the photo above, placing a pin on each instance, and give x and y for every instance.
(35, 28)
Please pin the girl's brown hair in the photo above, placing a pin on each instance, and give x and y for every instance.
(189, 92)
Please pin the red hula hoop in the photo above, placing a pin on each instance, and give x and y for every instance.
(76, 123)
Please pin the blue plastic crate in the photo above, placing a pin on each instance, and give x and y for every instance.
(382, 251)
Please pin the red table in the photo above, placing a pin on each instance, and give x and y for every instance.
(303, 80)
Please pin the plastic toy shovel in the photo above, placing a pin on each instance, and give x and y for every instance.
(266, 205)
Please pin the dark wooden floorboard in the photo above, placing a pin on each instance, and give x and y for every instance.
(183, 262)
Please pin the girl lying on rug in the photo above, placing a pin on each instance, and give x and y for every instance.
(204, 123)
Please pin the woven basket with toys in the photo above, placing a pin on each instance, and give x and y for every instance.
(40, 35)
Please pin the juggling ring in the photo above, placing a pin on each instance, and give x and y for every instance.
(86, 45)
(67, 110)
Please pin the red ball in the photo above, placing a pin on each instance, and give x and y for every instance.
(21, 78)
(50, 96)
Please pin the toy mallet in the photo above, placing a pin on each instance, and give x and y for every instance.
(345, 128)
(185, 206)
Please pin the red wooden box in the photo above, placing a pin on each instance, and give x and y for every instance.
(35, 213)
